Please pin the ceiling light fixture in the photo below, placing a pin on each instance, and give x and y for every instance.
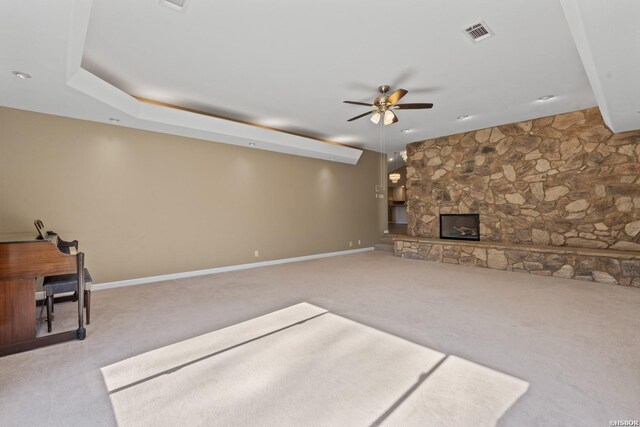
(21, 75)
(394, 177)
(389, 117)
(114, 120)
(545, 98)
(406, 130)
(463, 117)
(382, 106)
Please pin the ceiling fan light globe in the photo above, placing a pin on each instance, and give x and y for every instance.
(376, 117)
(389, 117)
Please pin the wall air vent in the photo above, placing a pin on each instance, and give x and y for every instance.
(478, 31)
(174, 4)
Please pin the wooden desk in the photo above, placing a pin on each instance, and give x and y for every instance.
(23, 259)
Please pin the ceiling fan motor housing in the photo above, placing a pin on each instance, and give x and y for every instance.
(381, 102)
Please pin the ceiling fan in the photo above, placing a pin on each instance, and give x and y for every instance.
(383, 106)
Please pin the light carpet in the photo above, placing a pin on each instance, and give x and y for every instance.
(575, 344)
(304, 366)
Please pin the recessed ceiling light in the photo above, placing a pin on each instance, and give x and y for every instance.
(406, 130)
(463, 117)
(545, 98)
(252, 144)
(114, 120)
(391, 159)
(344, 139)
(21, 75)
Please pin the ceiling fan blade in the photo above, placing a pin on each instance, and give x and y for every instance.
(395, 96)
(404, 77)
(412, 106)
(361, 115)
(358, 103)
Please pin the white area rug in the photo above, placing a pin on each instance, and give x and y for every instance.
(304, 366)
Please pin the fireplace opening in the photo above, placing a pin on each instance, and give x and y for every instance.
(460, 226)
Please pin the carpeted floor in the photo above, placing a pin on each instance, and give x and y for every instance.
(365, 339)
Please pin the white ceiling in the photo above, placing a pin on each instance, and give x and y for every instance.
(607, 35)
(290, 64)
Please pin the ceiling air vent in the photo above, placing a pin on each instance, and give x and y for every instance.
(478, 31)
(174, 4)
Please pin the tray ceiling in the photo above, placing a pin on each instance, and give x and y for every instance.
(289, 65)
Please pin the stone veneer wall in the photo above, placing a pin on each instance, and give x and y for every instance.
(564, 180)
(600, 265)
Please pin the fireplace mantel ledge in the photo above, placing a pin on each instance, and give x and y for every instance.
(632, 255)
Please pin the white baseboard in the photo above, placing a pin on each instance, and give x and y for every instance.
(173, 276)
(40, 295)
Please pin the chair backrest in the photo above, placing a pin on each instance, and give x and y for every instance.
(40, 227)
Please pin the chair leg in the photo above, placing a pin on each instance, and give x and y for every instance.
(87, 305)
(49, 311)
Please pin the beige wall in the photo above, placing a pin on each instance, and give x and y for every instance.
(144, 203)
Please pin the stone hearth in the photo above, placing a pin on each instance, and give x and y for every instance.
(600, 265)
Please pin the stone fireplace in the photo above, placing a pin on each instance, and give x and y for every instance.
(558, 196)
(460, 226)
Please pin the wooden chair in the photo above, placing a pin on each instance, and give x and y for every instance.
(63, 283)
(66, 283)
(64, 246)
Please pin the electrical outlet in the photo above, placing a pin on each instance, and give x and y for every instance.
(256, 254)
(350, 243)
